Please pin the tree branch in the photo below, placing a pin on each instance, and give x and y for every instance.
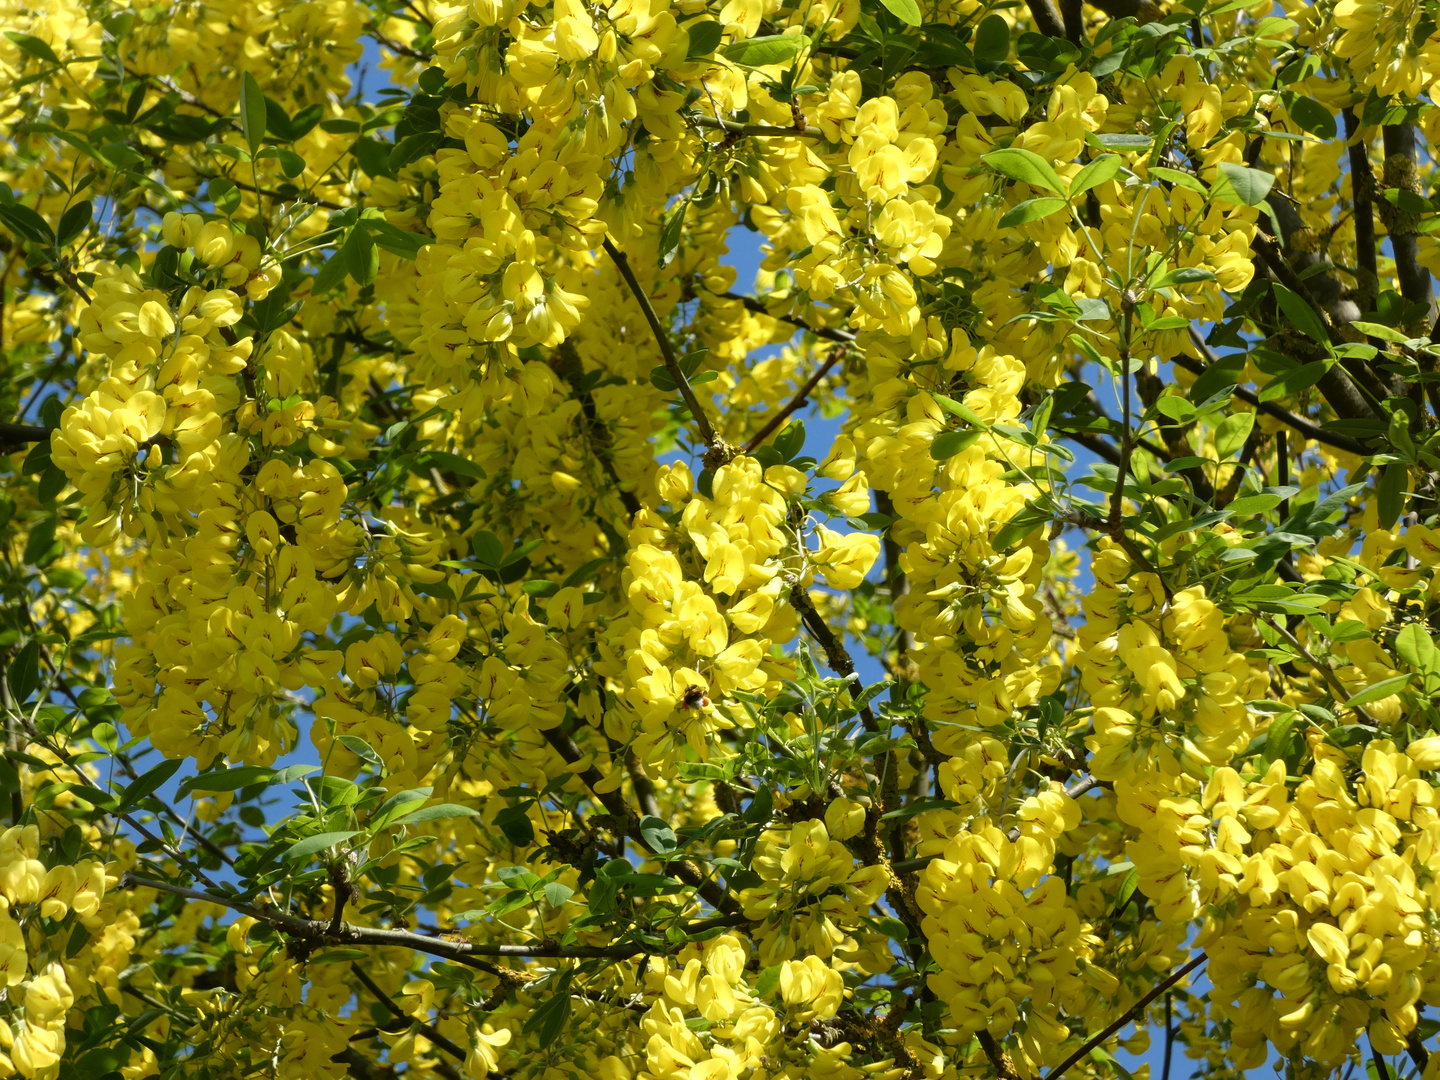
(1130, 1013)
(1362, 183)
(1047, 19)
(1269, 408)
(1401, 172)
(12, 434)
(716, 124)
(615, 804)
(826, 333)
(463, 952)
(394, 1010)
(836, 655)
(773, 424)
(718, 448)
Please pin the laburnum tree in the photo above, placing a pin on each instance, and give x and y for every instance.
(434, 647)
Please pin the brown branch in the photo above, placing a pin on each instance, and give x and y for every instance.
(613, 802)
(394, 1010)
(1047, 19)
(718, 448)
(1343, 393)
(1362, 183)
(1416, 1049)
(827, 333)
(463, 952)
(773, 424)
(836, 655)
(1269, 408)
(11, 434)
(1130, 1013)
(129, 819)
(68, 276)
(168, 86)
(716, 124)
(1404, 227)
(998, 1055)
(397, 47)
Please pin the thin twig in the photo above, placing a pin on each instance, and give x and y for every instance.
(1130, 1013)
(465, 952)
(681, 870)
(773, 424)
(1269, 408)
(836, 655)
(667, 353)
(389, 1005)
(828, 333)
(1326, 672)
(701, 120)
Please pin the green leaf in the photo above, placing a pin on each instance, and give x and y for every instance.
(556, 893)
(1031, 210)
(360, 256)
(487, 549)
(1277, 739)
(312, 845)
(1230, 436)
(1094, 174)
(1103, 1057)
(1255, 504)
(992, 38)
(1382, 689)
(515, 823)
(954, 408)
(1019, 527)
(74, 221)
(1311, 116)
(148, 784)
(1241, 186)
(329, 275)
(291, 163)
(1391, 492)
(1384, 333)
(907, 11)
(768, 982)
(949, 443)
(1128, 884)
(762, 51)
(23, 673)
(413, 148)
(1414, 646)
(41, 548)
(27, 224)
(226, 780)
(394, 239)
(437, 813)
(1024, 166)
(1293, 381)
(671, 233)
(705, 38)
(1182, 275)
(550, 1016)
(252, 112)
(224, 194)
(1300, 314)
(1179, 179)
(657, 835)
(33, 46)
(361, 749)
